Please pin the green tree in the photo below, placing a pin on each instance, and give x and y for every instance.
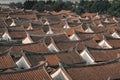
(40, 6)
(67, 5)
(19, 5)
(58, 5)
(12, 5)
(114, 10)
(100, 6)
(29, 4)
(80, 10)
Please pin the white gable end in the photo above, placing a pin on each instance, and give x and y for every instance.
(115, 20)
(13, 23)
(104, 44)
(50, 32)
(30, 28)
(47, 23)
(86, 18)
(106, 20)
(27, 40)
(100, 25)
(85, 55)
(6, 36)
(97, 16)
(89, 30)
(59, 75)
(66, 26)
(52, 48)
(74, 37)
(115, 35)
(22, 63)
(9, 17)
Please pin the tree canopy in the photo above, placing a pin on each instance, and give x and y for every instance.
(100, 6)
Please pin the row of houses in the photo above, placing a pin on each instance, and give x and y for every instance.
(58, 46)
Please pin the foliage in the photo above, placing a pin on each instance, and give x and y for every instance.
(100, 6)
(40, 6)
(19, 5)
(58, 5)
(29, 4)
(114, 10)
(16, 5)
(12, 5)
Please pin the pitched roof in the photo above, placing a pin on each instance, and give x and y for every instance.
(94, 72)
(104, 55)
(37, 74)
(35, 47)
(6, 60)
(71, 58)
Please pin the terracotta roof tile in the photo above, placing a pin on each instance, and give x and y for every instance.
(114, 43)
(52, 60)
(6, 60)
(71, 58)
(103, 72)
(35, 47)
(34, 59)
(36, 74)
(65, 46)
(60, 37)
(104, 55)
(25, 16)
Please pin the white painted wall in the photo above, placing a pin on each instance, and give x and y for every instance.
(22, 63)
(104, 44)
(59, 75)
(53, 48)
(115, 35)
(89, 30)
(27, 40)
(6, 36)
(85, 55)
(13, 23)
(73, 37)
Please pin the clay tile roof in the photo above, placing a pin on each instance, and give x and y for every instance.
(69, 32)
(34, 47)
(104, 55)
(25, 16)
(114, 43)
(37, 32)
(57, 31)
(34, 59)
(102, 72)
(84, 36)
(4, 48)
(79, 29)
(17, 34)
(6, 61)
(33, 74)
(91, 43)
(60, 37)
(89, 14)
(71, 58)
(99, 29)
(112, 28)
(59, 25)
(16, 28)
(65, 45)
(52, 60)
